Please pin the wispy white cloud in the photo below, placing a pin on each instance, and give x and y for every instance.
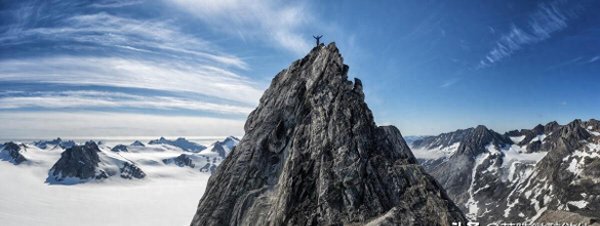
(566, 63)
(97, 99)
(102, 124)
(546, 20)
(155, 60)
(270, 20)
(116, 3)
(120, 72)
(449, 82)
(107, 30)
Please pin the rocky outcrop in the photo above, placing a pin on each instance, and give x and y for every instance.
(181, 161)
(119, 148)
(456, 173)
(79, 162)
(180, 143)
(130, 171)
(532, 138)
(312, 155)
(11, 152)
(209, 167)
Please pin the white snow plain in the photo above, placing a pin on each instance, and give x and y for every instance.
(168, 195)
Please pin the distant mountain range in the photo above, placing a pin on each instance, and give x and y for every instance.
(94, 161)
(548, 172)
(180, 143)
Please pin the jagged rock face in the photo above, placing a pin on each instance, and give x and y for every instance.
(533, 137)
(210, 167)
(312, 155)
(455, 173)
(442, 140)
(119, 148)
(180, 143)
(566, 179)
(79, 161)
(11, 152)
(474, 143)
(181, 161)
(130, 170)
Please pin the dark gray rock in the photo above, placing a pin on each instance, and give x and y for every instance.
(130, 171)
(181, 161)
(531, 134)
(442, 140)
(456, 173)
(208, 168)
(11, 152)
(312, 155)
(78, 162)
(534, 146)
(137, 143)
(119, 148)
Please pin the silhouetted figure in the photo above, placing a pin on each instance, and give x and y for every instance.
(318, 38)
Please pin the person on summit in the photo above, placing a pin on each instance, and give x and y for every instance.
(318, 38)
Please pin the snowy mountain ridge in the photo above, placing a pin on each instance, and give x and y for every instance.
(520, 175)
(73, 163)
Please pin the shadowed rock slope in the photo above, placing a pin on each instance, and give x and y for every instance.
(312, 155)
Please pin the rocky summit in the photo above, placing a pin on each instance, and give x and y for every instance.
(79, 161)
(11, 152)
(312, 155)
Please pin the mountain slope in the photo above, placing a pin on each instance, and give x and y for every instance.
(518, 176)
(566, 179)
(312, 155)
(11, 152)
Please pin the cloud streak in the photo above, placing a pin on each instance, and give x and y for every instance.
(21, 124)
(106, 30)
(271, 21)
(120, 72)
(87, 62)
(107, 100)
(546, 20)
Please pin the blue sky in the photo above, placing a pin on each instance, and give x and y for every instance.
(197, 68)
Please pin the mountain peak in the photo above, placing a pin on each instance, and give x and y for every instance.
(11, 152)
(481, 129)
(313, 155)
